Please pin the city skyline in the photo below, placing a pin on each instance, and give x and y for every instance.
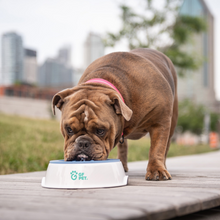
(20, 64)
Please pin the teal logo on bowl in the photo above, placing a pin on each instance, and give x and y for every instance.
(79, 176)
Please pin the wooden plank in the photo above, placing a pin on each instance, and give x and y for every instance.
(194, 187)
(32, 214)
(210, 214)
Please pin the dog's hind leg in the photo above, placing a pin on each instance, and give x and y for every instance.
(167, 149)
(173, 125)
(123, 153)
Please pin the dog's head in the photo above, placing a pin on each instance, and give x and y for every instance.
(92, 121)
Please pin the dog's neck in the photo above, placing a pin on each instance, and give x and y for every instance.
(103, 81)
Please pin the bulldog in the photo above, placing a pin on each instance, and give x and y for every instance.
(121, 96)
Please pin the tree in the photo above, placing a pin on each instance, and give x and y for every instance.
(191, 117)
(214, 120)
(163, 29)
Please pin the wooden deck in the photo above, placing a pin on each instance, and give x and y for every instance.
(195, 186)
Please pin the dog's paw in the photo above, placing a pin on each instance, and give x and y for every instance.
(125, 167)
(157, 174)
(125, 164)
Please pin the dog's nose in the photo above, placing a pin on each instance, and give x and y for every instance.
(84, 143)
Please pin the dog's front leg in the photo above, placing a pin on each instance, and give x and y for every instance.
(156, 169)
(122, 154)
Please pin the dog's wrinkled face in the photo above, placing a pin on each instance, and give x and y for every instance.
(91, 122)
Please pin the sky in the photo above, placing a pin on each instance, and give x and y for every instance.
(48, 25)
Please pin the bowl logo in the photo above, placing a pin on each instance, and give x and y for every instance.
(79, 176)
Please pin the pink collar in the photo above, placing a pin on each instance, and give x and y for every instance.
(103, 81)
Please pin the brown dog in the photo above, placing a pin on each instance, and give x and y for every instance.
(138, 96)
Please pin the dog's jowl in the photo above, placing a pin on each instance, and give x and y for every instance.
(120, 96)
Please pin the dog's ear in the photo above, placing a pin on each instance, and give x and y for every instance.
(59, 99)
(120, 107)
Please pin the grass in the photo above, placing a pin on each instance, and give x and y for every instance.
(138, 150)
(29, 144)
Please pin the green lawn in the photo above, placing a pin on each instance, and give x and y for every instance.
(29, 144)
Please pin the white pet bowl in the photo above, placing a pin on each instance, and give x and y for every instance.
(84, 174)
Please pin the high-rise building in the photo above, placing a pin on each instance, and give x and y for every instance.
(199, 85)
(30, 66)
(64, 55)
(93, 48)
(57, 72)
(12, 58)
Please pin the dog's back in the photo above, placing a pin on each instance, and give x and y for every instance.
(161, 62)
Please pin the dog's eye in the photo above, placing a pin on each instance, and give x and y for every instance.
(100, 132)
(69, 130)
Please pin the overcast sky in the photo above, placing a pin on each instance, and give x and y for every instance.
(47, 25)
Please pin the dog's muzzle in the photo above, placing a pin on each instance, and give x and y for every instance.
(83, 146)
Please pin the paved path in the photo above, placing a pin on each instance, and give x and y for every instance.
(195, 186)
